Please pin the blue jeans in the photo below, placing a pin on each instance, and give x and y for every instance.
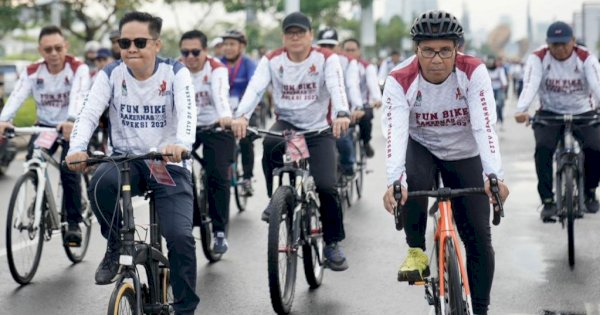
(345, 147)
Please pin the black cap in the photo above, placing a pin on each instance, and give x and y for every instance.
(103, 53)
(327, 36)
(296, 19)
(559, 32)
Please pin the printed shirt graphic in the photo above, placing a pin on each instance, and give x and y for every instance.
(212, 92)
(57, 96)
(454, 120)
(301, 91)
(571, 86)
(143, 115)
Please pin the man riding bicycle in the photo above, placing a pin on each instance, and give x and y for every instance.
(58, 84)
(150, 106)
(212, 93)
(307, 84)
(439, 116)
(568, 79)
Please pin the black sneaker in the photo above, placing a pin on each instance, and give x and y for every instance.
(548, 212)
(369, 150)
(591, 204)
(247, 187)
(109, 268)
(72, 236)
(334, 257)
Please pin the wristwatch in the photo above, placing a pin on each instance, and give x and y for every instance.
(343, 114)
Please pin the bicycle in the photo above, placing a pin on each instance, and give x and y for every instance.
(568, 180)
(33, 214)
(294, 223)
(155, 296)
(236, 174)
(449, 291)
(361, 161)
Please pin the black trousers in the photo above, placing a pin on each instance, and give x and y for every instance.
(71, 181)
(366, 124)
(323, 167)
(174, 207)
(247, 152)
(546, 141)
(471, 214)
(217, 151)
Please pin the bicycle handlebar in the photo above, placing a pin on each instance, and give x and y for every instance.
(561, 119)
(285, 133)
(12, 132)
(126, 157)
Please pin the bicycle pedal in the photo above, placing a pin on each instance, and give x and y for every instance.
(416, 283)
(73, 244)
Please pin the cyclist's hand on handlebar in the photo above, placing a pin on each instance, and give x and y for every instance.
(225, 122)
(389, 202)
(175, 150)
(66, 128)
(5, 125)
(340, 125)
(76, 157)
(503, 191)
(238, 126)
(522, 117)
(376, 104)
(356, 115)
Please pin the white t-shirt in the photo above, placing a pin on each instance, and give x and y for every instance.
(369, 86)
(212, 92)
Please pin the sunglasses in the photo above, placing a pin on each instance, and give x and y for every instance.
(140, 43)
(194, 52)
(50, 49)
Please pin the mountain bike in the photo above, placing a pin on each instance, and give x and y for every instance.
(294, 222)
(148, 290)
(448, 291)
(34, 214)
(569, 176)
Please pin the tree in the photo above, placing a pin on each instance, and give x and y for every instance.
(9, 17)
(389, 35)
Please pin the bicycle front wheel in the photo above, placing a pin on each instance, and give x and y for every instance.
(24, 240)
(206, 226)
(122, 300)
(76, 253)
(569, 204)
(312, 250)
(281, 252)
(454, 299)
(361, 163)
(241, 198)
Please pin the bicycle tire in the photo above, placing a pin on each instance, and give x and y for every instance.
(241, 200)
(122, 300)
(455, 303)
(33, 237)
(569, 204)
(76, 254)
(281, 282)
(361, 163)
(312, 250)
(206, 227)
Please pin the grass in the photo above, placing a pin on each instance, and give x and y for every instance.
(26, 115)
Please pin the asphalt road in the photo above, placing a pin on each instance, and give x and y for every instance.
(532, 273)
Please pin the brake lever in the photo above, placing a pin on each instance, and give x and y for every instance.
(498, 208)
(398, 209)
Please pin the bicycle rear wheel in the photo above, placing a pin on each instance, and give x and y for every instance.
(122, 300)
(312, 250)
(24, 241)
(241, 199)
(569, 204)
(76, 254)
(281, 254)
(206, 226)
(454, 299)
(361, 163)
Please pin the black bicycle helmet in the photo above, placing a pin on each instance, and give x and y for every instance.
(436, 25)
(233, 34)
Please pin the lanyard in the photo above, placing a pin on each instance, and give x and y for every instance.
(236, 69)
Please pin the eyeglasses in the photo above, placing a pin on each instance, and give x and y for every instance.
(140, 43)
(50, 49)
(194, 52)
(444, 53)
(328, 46)
(298, 33)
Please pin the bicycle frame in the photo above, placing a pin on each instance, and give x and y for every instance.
(569, 153)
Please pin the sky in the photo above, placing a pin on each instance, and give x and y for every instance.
(485, 14)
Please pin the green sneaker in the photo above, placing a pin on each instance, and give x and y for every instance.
(415, 267)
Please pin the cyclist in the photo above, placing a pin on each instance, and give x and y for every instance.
(151, 105)
(439, 115)
(212, 92)
(388, 64)
(217, 47)
(369, 89)
(328, 38)
(499, 85)
(568, 79)
(241, 68)
(305, 80)
(58, 85)
(114, 44)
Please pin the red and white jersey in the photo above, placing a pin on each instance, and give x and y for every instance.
(454, 120)
(58, 97)
(301, 91)
(369, 84)
(352, 81)
(212, 92)
(570, 86)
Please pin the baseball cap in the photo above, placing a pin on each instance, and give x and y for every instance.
(215, 42)
(559, 32)
(114, 34)
(296, 19)
(327, 36)
(103, 53)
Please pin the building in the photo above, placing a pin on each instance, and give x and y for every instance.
(407, 9)
(590, 25)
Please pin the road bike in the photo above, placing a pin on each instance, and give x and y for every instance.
(448, 291)
(33, 211)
